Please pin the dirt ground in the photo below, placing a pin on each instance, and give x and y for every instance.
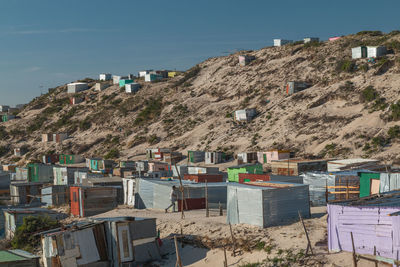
(204, 239)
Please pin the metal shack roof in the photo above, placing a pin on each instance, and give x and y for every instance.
(15, 255)
(186, 183)
(268, 185)
(243, 165)
(28, 210)
(351, 161)
(388, 199)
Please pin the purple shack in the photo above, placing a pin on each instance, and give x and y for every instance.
(373, 220)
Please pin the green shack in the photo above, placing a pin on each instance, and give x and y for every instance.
(196, 156)
(369, 183)
(7, 117)
(123, 82)
(99, 165)
(38, 172)
(70, 159)
(233, 172)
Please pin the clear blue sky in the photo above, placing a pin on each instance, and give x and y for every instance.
(45, 43)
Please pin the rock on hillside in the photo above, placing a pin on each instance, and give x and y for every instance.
(352, 108)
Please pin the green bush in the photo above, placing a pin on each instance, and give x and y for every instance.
(3, 150)
(395, 111)
(371, 33)
(346, 65)
(85, 124)
(3, 133)
(312, 44)
(394, 132)
(25, 237)
(369, 94)
(37, 123)
(153, 139)
(151, 111)
(379, 141)
(112, 154)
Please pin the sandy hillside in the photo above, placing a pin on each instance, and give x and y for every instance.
(350, 109)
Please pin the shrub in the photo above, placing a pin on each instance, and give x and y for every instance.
(85, 124)
(312, 44)
(152, 110)
(371, 33)
(3, 133)
(24, 237)
(153, 139)
(112, 154)
(395, 111)
(394, 132)
(346, 65)
(379, 141)
(3, 150)
(369, 94)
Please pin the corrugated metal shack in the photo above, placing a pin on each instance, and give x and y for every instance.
(182, 169)
(369, 183)
(55, 195)
(39, 172)
(295, 87)
(131, 239)
(18, 258)
(251, 177)
(245, 114)
(172, 158)
(20, 151)
(311, 39)
(115, 182)
(105, 77)
(297, 166)
(105, 242)
(90, 201)
(25, 193)
(266, 203)
(99, 165)
(129, 191)
(247, 157)
(7, 117)
(14, 217)
(338, 181)
(66, 175)
(376, 51)
(5, 181)
(70, 159)
(47, 137)
(101, 86)
(142, 166)
(155, 193)
(233, 171)
(202, 170)
(202, 178)
(280, 42)
(389, 182)
(50, 159)
(359, 52)
(132, 88)
(21, 174)
(195, 156)
(374, 222)
(9, 167)
(214, 157)
(156, 153)
(348, 164)
(245, 59)
(73, 88)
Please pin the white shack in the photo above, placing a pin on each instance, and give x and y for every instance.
(144, 72)
(4, 108)
(311, 39)
(359, 52)
(132, 87)
(280, 42)
(150, 77)
(105, 77)
(76, 87)
(245, 114)
(376, 51)
(100, 86)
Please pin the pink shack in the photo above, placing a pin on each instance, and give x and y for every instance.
(156, 166)
(271, 155)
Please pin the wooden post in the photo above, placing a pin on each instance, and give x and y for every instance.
(354, 251)
(178, 256)
(226, 260)
(376, 262)
(221, 213)
(233, 240)
(326, 191)
(207, 210)
(347, 189)
(182, 191)
(309, 247)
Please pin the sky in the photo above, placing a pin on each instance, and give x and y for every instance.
(46, 43)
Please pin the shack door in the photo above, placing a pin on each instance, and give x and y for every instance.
(74, 196)
(124, 243)
(374, 186)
